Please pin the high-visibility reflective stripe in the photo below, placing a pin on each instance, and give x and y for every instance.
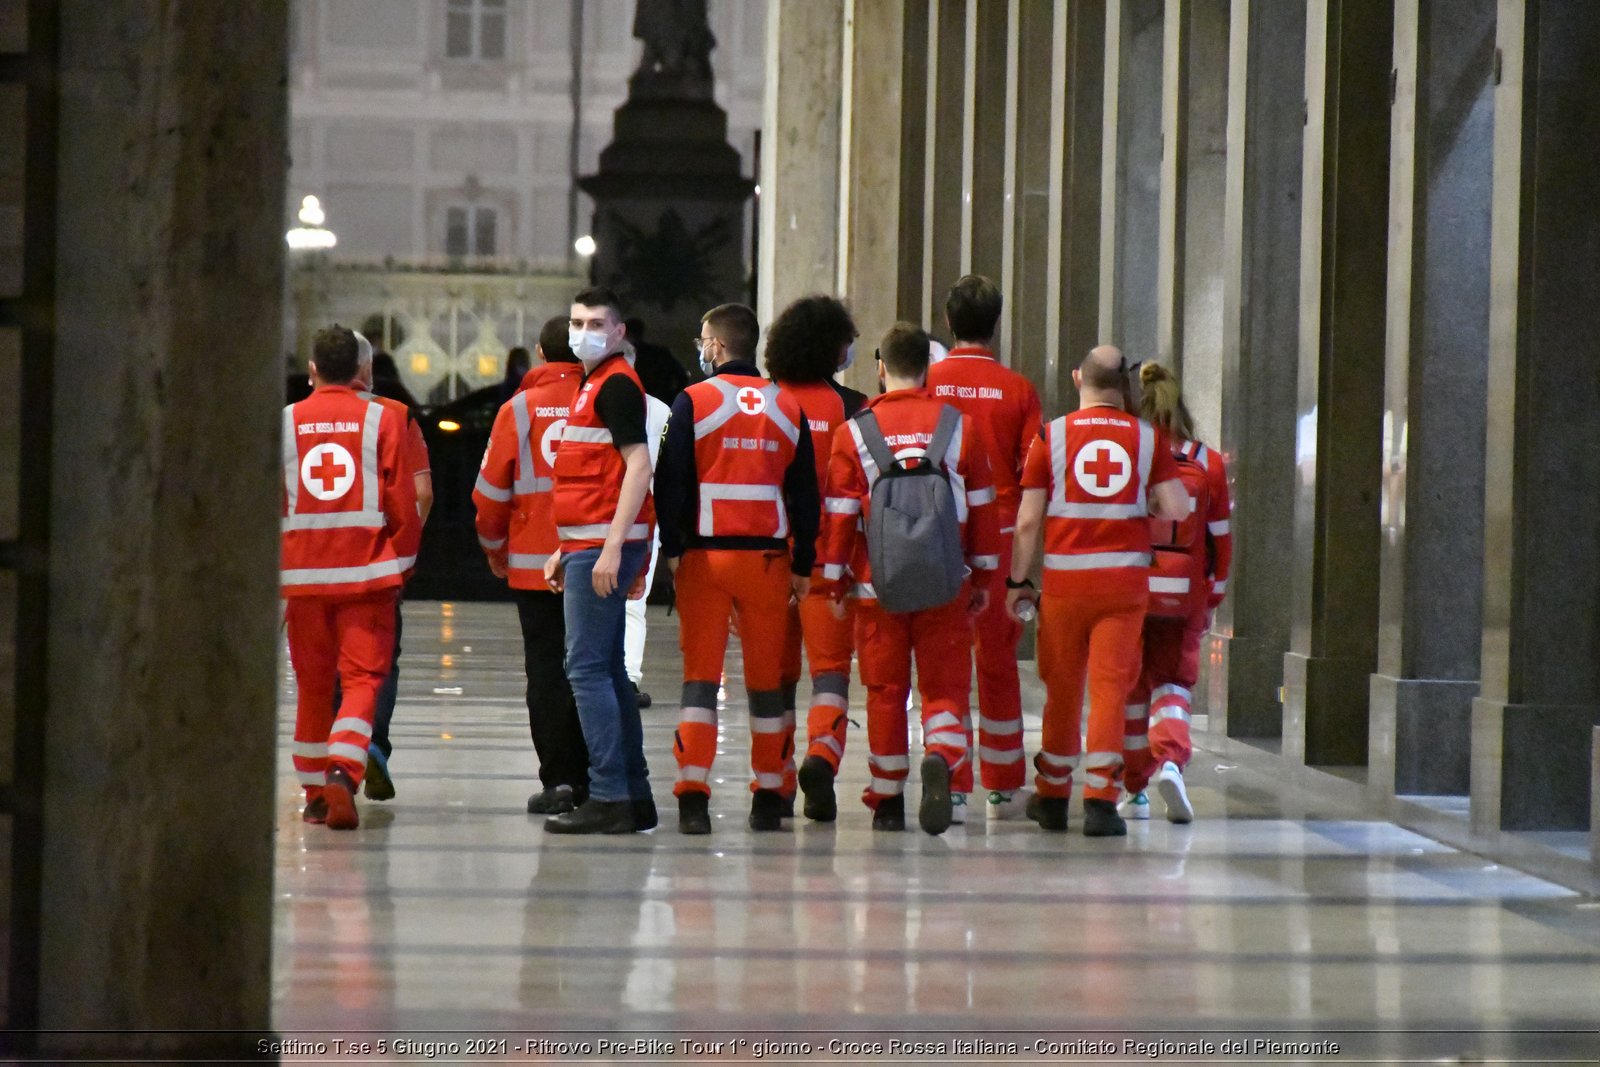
(1059, 762)
(1147, 455)
(528, 561)
(829, 700)
(524, 481)
(291, 460)
(1219, 528)
(1057, 434)
(1054, 779)
(999, 755)
(984, 563)
(711, 492)
(979, 497)
(703, 716)
(769, 781)
(1135, 711)
(864, 591)
(1171, 712)
(1096, 781)
(1162, 691)
(1100, 760)
(843, 505)
(492, 491)
(334, 520)
(353, 753)
(869, 466)
(759, 725)
(999, 727)
(941, 720)
(1135, 743)
(886, 786)
(1089, 561)
(312, 777)
(831, 743)
(369, 456)
(1074, 510)
(1168, 585)
(586, 435)
(889, 763)
(342, 575)
(729, 407)
(351, 725)
(726, 409)
(599, 531)
(951, 739)
(311, 749)
(690, 773)
(406, 563)
(1219, 587)
(832, 571)
(491, 543)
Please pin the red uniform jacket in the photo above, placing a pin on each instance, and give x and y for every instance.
(745, 432)
(1005, 412)
(824, 411)
(1098, 465)
(1218, 517)
(350, 500)
(908, 419)
(588, 470)
(417, 459)
(513, 494)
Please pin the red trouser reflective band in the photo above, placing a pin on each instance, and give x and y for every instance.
(1162, 699)
(351, 639)
(1000, 756)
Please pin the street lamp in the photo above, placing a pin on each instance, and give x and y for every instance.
(311, 235)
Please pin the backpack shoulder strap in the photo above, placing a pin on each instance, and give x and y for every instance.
(872, 437)
(949, 423)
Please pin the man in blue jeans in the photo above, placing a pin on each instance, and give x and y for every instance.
(604, 517)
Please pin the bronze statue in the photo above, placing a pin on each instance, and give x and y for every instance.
(678, 41)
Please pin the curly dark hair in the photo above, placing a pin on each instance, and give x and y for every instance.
(803, 343)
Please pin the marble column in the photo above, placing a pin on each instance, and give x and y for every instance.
(1594, 797)
(1431, 555)
(943, 157)
(1343, 249)
(1531, 727)
(1242, 664)
(800, 153)
(984, 121)
(1131, 175)
(910, 300)
(161, 746)
(1205, 139)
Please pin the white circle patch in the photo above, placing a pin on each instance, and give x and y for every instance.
(1103, 468)
(328, 471)
(751, 400)
(550, 440)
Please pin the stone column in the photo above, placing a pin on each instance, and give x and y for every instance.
(1170, 195)
(943, 157)
(985, 118)
(1242, 664)
(1205, 139)
(1131, 175)
(160, 750)
(910, 301)
(1082, 37)
(800, 153)
(1531, 727)
(1430, 605)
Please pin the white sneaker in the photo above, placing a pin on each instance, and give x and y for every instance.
(1169, 783)
(958, 809)
(1007, 804)
(1134, 806)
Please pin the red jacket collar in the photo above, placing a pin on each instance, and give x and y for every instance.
(973, 350)
(896, 396)
(549, 372)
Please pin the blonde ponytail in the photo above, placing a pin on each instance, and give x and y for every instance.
(1161, 402)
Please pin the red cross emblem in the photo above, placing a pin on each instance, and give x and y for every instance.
(751, 400)
(1103, 468)
(328, 471)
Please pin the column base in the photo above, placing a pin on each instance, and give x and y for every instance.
(1532, 765)
(1325, 710)
(1239, 680)
(1419, 736)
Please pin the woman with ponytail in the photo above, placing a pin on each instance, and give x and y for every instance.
(1188, 580)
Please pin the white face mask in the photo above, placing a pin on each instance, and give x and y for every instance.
(590, 346)
(849, 356)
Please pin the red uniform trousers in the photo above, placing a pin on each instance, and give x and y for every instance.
(1093, 637)
(1000, 755)
(941, 639)
(712, 584)
(828, 644)
(1157, 728)
(351, 637)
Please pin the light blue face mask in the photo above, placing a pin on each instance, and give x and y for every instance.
(849, 356)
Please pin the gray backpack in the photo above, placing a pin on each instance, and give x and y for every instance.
(913, 531)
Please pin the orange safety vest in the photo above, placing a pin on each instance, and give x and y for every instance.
(1096, 527)
(745, 433)
(514, 488)
(588, 469)
(347, 495)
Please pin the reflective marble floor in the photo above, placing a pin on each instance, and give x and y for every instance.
(450, 910)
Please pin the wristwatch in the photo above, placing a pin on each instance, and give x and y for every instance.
(1026, 583)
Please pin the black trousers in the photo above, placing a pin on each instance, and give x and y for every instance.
(552, 711)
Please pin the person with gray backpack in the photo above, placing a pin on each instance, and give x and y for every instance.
(910, 530)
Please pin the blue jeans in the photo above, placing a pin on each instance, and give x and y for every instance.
(607, 708)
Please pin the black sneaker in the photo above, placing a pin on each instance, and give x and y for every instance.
(594, 817)
(376, 783)
(816, 782)
(694, 813)
(557, 800)
(934, 813)
(641, 696)
(1049, 812)
(1100, 819)
(644, 814)
(890, 814)
(766, 810)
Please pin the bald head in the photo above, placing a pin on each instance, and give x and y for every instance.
(1102, 370)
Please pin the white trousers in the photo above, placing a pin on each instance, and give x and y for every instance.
(634, 630)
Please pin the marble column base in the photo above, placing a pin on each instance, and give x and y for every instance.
(1239, 680)
(1325, 710)
(1419, 736)
(1532, 765)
